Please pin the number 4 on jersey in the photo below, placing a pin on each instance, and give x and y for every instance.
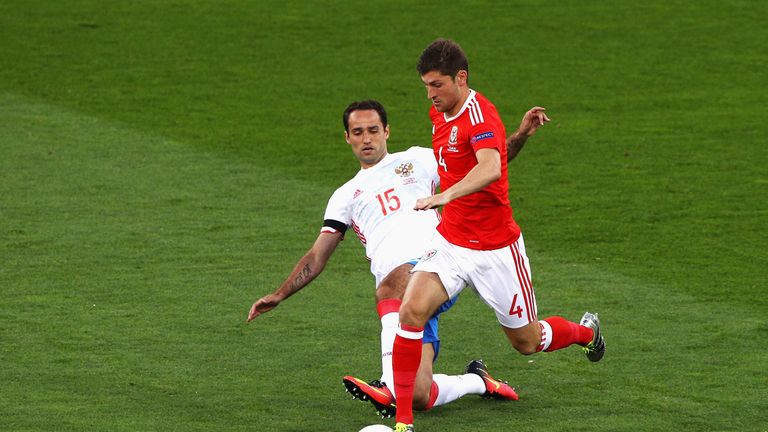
(392, 201)
(440, 160)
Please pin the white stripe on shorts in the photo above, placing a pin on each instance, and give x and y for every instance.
(525, 282)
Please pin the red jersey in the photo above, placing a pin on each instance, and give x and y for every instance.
(481, 220)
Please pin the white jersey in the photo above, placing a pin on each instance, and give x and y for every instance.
(378, 205)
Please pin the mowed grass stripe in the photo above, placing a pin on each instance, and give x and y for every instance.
(125, 258)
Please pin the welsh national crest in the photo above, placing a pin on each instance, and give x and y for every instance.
(404, 170)
(453, 139)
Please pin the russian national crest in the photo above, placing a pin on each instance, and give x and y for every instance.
(404, 170)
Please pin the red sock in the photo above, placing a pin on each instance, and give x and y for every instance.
(388, 306)
(406, 357)
(566, 333)
(433, 392)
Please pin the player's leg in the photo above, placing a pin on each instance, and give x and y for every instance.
(380, 392)
(444, 389)
(425, 293)
(436, 278)
(381, 396)
(425, 390)
(526, 339)
(432, 390)
(393, 285)
(389, 296)
(555, 332)
(509, 291)
(423, 386)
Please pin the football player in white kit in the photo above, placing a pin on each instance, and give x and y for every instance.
(378, 205)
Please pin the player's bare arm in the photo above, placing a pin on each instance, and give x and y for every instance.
(487, 171)
(533, 119)
(305, 270)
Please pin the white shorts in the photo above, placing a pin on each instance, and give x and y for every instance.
(501, 277)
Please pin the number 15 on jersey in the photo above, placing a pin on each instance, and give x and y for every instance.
(388, 201)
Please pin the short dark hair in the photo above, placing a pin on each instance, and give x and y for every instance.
(365, 105)
(444, 56)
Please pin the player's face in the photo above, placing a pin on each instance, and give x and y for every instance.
(367, 136)
(446, 93)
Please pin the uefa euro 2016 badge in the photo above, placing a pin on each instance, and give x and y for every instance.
(404, 170)
(454, 135)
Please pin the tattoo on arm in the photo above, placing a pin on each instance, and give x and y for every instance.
(515, 143)
(301, 279)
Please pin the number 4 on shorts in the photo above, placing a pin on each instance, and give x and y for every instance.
(515, 309)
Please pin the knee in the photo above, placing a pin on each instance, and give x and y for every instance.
(421, 396)
(387, 290)
(526, 340)
(526, 347)
(411, 315)
(421, 401)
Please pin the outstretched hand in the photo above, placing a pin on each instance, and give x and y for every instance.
(430, 202)
(264, 304)
(532, 120)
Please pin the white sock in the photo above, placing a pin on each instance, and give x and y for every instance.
(452, 387)
(546, 335)
(388, 332)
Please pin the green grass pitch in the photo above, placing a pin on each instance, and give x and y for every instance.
(164, 163)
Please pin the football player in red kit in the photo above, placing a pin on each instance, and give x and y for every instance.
(477, 243)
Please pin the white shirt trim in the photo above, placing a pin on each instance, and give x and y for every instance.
(470, 98)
